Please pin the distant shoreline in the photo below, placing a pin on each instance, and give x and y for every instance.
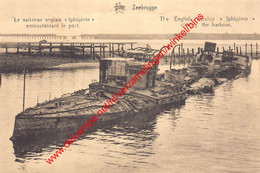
(91, 37)
(13, 63)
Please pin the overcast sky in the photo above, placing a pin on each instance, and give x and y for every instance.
(142, 22)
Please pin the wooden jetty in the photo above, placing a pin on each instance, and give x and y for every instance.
(97, 50)
(83, 49)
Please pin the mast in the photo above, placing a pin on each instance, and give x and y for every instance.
(173, 55)
(24, 80)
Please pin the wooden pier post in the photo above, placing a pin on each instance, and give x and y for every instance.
(71, 48)
(104, 51)
(188, 54)
(256, 50)
(240, 50)
(61, 47)
(131, 45)
(83, 50)
(246, 49)
(50, 48)
(173, 58)
(229, 48)
(179, 55)
(118, 48)
(182, 48)
(234, 47)
(100, 50)
(198, 50)
(29, 48)
(6, 48)
(91, 53)
(223, 49)
(109, 49)
(217, 51)
(40, 48)
(251, 50)
(17, 48)
(184, 57)
(171, 61)
(192, 50)
(94, 55)
(122, 48)
(237, 50)
(113, 50)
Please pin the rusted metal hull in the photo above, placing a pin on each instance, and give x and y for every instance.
(27, 127)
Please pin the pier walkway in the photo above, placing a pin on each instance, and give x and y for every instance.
(95, 50)
(98, 50)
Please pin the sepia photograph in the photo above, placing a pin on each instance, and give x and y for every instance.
(138, 86)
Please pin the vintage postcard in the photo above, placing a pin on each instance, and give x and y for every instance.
(130, 86)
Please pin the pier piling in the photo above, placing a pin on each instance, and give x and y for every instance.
(17, 48)
(93, 51)
(50, 48)
(113, 50)
(251, 50)
(104, 51)
(256, 50)
(246, 49)
(29, 48)
(188, 54)
(83, 50)
(110, 49)
(6, 48)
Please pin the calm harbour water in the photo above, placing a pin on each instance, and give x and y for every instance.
(216, 132)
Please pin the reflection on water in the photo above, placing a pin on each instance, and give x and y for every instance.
(213, 132)
(139, 126)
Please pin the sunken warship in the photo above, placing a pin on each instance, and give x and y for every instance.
(149, 95)
(69, 112)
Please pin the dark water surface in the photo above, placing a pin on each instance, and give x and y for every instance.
(217, 132)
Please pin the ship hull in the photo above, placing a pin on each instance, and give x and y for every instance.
(29, 127)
